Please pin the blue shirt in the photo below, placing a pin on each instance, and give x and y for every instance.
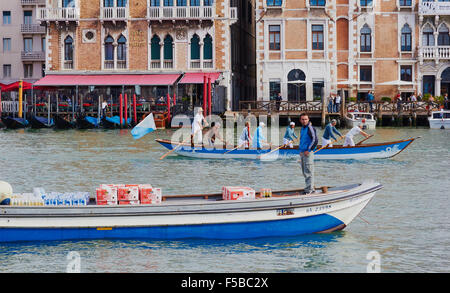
(245, 135)
(257, 138)
(308, 138)
(290, 133)
(329, 132)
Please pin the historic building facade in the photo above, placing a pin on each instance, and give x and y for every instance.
(310, 48)
(141, 36)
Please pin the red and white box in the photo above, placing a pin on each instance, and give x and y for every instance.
(238, 193)
(106, 195)
(128, 193)
(150, 195)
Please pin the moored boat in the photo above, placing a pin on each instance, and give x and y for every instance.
(114, 122)
(14, 122)
(87, 122)
(354, 118)
(63, 123)
(337, 152)
(207, 216)
(41, 122)
(440, 119)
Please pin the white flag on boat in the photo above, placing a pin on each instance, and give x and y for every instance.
(144, 127)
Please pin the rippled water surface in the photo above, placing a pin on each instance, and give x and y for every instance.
(407, 223)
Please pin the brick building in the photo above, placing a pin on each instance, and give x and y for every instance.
(147, 37)
(310, 48)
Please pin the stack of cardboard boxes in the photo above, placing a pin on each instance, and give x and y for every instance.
(128, 194)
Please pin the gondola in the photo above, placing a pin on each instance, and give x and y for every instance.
(203, 216)
(37, 122)
(337, 152)
(87, 122)
(62, 123)
(114, 122)
(14, 122)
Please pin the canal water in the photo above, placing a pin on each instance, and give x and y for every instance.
(405, 228)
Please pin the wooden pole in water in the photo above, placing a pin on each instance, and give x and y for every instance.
(323, 112)
(48, 109)
(100, 97)
(1, 110)
(20, 98)
(204, 94)
(168, 106)
(209, 96)
(126, 109)
(134, 109)
(120, 110)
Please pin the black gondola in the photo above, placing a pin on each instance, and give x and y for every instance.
(40, 122)
(114, 122)
(62, 123)
(86, 122)
(15, 123)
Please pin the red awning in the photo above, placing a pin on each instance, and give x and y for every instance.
(197, 77)
(108, 80)
(26, 86)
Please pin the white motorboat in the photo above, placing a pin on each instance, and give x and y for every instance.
(440, 119)
(354, 118)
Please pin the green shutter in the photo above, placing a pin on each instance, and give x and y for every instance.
(208, 48)
(195, 48)
(156, 53)
(168, 52)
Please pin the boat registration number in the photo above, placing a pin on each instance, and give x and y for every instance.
(285, 212)
(318, 209)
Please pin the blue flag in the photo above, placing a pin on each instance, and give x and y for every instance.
(144, 127)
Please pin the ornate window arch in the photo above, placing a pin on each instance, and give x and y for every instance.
(168, 47)
(443, 35)
(155, 48)
(208, 47)
(68, 48)
(195, 47)
(406, 38)
(366, 39)
(427, 35)
(122, 48)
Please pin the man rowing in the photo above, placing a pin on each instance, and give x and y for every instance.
(245, 140)
(259, 139)
(354, 131)
(197, 126)
(329, 132)
(289, 135)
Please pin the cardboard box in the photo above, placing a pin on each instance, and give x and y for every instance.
(106, 202)
(238, 193)
(106, 193)
(150, 196)
(128, 193)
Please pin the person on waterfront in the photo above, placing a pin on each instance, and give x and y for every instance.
(413, 100)
(446, 102)
(330, 107)
(104, 107)
(354, 131)
(419, 97)
(278, 99)
(370, 98)
(259, 139)
(329, 132)
(308, 142)
(337, 103)
(214, 134)
(399, 102)
(245, 139)
(289, 135)
(197, 127)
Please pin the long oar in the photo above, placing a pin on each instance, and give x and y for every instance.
(235, 148)
(336, 140)
(291, 141)
(364, 139)
(172, 150)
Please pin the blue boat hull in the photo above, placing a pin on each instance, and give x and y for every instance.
(288, 227)
(362, 152)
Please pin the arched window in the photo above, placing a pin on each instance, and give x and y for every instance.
(109, 48)
(296, 85)
(207, 48)
(366, 39)
(155, 49)
(443, 36)
(122, 48)
(168, 48)
(195, 47)
(68, 49)
(406, 38)
(427, 36)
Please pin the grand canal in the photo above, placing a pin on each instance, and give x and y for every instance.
(406, 225)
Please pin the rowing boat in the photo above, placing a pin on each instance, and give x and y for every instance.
(206, 216)
(337, 152)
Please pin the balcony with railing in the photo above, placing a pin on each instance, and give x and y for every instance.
(32, 29)
(114, 13)
(180, 13)
(32, 2)
(33, 56)
(434, 53)
(431, 7)
(58, 14)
